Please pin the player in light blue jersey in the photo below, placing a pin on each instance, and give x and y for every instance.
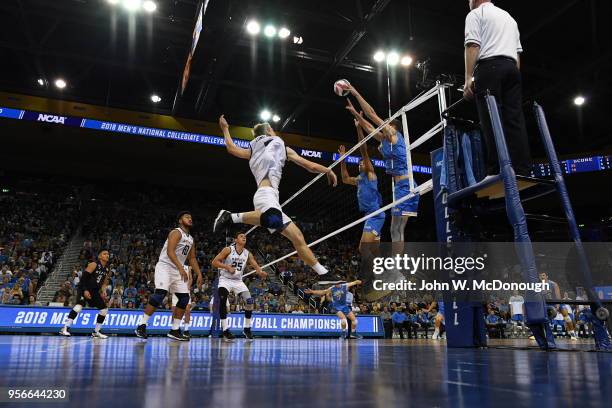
(368, 197)
(339, 304)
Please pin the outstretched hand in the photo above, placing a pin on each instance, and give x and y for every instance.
(308, 291)
(332, 179)
(341, 150)
(351, 108)
(223, 123)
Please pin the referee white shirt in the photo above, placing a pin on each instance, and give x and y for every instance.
(494, 30)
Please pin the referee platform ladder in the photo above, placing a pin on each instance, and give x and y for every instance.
(509, 191)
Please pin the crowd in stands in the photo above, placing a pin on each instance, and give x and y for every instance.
(35, 225)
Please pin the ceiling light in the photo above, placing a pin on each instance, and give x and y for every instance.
(393, 58)
(579, 100)
(253, 27)
(60, 83)
(406, 60)
(270, 31)
(265, 115)
(276, 118)
(132, 5)
(298, 40)
(113, 1)
(149, 6)
(41, 82)
(155, 98)
(379, 56)
(284, 32)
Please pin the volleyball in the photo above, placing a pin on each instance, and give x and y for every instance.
(341, 87)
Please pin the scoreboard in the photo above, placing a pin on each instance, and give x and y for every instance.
(581, 165)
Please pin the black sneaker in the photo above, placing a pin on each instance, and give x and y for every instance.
(224, 218)
(247, 333)
(177, 335)
(187, 335)
(228, 336)
(141, 331)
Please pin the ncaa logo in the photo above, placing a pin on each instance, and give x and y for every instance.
(51, 118)
(311, 153)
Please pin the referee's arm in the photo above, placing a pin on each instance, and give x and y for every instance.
(472, 50)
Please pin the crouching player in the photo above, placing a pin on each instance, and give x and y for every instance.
(339, 304)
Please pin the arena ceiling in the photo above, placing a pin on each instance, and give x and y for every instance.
(111, 57)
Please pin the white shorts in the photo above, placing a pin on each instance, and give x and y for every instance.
(169, 279)
(266, 198)
(235, 286)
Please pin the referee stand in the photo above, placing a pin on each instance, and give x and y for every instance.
(456, 169)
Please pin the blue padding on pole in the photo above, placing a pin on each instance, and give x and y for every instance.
(565, 201)
(535, 306)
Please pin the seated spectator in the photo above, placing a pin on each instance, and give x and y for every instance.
(398, 318)
(495, 325)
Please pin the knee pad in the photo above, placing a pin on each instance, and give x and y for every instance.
(77, 308)
(271, 218)
(248, 314)
(101, 316)
(183, 300)
(157, 298)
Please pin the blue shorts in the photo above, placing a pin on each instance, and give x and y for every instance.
(375, 224)
(409, 207)
(517, 317)
(344, 309)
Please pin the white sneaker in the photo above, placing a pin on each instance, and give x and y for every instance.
(65, 332)
(98, 335)
(435, 336)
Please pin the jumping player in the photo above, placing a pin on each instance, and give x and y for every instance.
(94, 280)
(343, 311)
(170, 276)
(231, 263)
(393, 149)
(267, 154)
(368, 197)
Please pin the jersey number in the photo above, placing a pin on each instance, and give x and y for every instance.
(237, 265)
(186, 250)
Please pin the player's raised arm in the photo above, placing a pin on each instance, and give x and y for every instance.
(221, 256)
(173, 239)
(354, 283)
(312, 166)
(253, 262)
(346, 178)
(371, 113)
(363, 122)
(363, 149)
(321, 292)
(232, 148)
(193, 262)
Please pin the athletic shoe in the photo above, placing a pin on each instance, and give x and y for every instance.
(228, 336)
(247, 333)
(177, 335)
(98, 335)
(224, 218)
(65, 332)
(141, 331)
(435, 336)
(355, 337)
(187, 335)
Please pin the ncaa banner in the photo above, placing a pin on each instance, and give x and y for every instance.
(122, 321)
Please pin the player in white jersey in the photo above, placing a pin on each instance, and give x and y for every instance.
(231, 263)
(171, 276)
(267, 155)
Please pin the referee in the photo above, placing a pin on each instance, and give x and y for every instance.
(492, 63)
